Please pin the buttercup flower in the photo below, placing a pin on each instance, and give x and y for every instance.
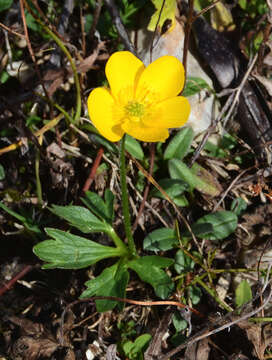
(142, 101)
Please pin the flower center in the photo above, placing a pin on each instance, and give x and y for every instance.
(134, 109)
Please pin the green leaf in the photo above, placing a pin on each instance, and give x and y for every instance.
(149, 270)
(180, 144)
(4, 76)
(133, 350)
(5, 4)
(111, 282)
(88, 23)
(223, 224)
(179, 170)
(195, 294)
(81, 218)
(168, 12)
(160, 240)
(243, 293)
(31, 22)
(199, 230)
(68, 251)
(26, 221)
(2, 173)
(183, 263)
(173, 188)
(134, 148)
(179, 323)
(104, 210)
(238, 205)
(194, 85)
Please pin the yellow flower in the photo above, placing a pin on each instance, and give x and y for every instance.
(142, 101)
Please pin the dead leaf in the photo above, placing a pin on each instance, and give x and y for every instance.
(86, 64)
(198, 351)
(29, 348)
(27, 326)
(254, 334)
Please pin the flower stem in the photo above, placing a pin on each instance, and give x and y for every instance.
(124, 196)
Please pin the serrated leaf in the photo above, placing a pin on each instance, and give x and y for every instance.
(180, 144)
(223, 224)
(194, 85)
(111, 282)
(173, 188)
(103, 210)
(179, 170)
(68, 251)
(81, 218)
(160, 240)
(243, 293)
(134, 147)
(168, 12)
(149, 270)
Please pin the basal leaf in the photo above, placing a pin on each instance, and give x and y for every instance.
(183, 263)
(179, 170)
(81, 218)
(111, 282)
(173, 188)
(68, 251)
(103, 210)
(180, 144)
(160, 240)
(243, 293)
(134, 147)
(194, 85)
(149, 270)
(223, 224)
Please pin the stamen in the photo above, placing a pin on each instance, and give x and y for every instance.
(135, 109)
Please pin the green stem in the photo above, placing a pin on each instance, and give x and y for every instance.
(72, 63)
(73, 67)
(125, 204)
(117, 241)
(213, 294)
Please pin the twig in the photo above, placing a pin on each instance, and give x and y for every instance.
(155, 31)
(230, 187)
(96, 16)
(31, 52)
(11, 31)
(188, 28)
(202, 12)
(239, 89)
(123, 300)
(151, 208)
(19, 276)
(206, 334)
(146, 191)
(164, 193)
(228, 106)
(119, 25)
(93, 170)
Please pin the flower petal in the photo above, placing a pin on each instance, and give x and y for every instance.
(122, 71)
(170, 113)
(101, 111)
(162, 79)
(144, 133)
